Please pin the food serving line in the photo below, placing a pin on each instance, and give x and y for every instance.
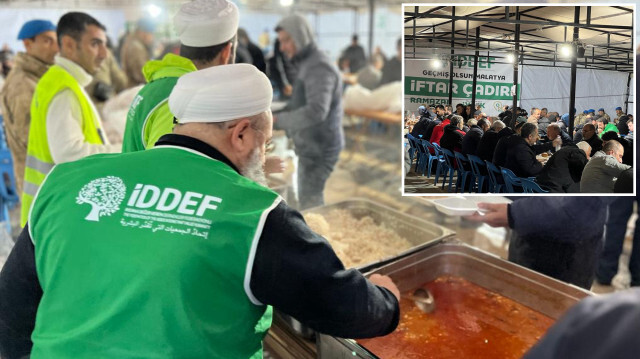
(483, 301)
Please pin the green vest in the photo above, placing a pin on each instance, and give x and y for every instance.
(39, 161)
(134, 264)
(149, 117)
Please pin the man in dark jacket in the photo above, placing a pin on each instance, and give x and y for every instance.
(420, 128)
(453, 135)
(507, 138)
(489, 140)
(521, 158)
(436, 120)
(313, 116)
(355, 55)
(563, 171)
(589, 135)
(557, 236)
(553, 132)
(471, 140)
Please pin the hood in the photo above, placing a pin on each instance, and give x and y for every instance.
(171, 65)
(299, 29)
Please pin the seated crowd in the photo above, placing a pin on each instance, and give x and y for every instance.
(596, 158)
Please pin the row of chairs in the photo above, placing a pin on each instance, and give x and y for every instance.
(473, 174)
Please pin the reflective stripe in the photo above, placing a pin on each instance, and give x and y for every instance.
(30, 188)
(38, 165)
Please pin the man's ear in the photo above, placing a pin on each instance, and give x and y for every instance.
(241, 139)
(68, 45)
(225, 54)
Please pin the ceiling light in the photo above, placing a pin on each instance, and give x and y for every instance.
(154, 10)
(566, 50)
(286, 2)
(436, 63)
(511, 58)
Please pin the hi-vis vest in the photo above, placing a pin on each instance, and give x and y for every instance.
(156, 264)
(39, 161)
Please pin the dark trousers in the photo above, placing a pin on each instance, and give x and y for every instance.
(619, 213)
(313, 173)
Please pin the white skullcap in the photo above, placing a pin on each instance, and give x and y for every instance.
(584, 146)
(221, 93)
(204, 23)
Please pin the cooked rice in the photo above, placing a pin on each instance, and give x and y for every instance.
(357, 242)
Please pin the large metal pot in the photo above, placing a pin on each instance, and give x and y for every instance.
(449, 257)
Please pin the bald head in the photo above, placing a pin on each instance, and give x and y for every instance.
(615, 149)
(588, 131)
(553, 131)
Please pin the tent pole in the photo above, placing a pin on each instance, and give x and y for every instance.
(475, 69)
(516, 60)
(453, 44)
(574, 65)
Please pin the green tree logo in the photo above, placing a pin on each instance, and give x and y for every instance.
(104, 195)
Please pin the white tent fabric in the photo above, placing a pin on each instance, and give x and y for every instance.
(550, 87)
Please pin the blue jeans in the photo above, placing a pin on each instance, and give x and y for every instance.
(313, 173)
(619, 213)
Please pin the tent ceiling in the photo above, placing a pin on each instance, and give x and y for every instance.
(605, 32)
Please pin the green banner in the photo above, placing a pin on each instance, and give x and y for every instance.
(432, 87)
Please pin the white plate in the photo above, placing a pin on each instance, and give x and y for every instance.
(489, 199)
(456, 206)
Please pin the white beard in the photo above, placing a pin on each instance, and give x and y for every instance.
(254, 168)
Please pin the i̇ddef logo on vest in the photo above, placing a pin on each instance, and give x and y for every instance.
(106, 194)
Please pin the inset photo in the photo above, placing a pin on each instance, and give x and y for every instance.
(518, 99)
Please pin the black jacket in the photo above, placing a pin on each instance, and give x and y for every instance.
(521, 158)
(562, 172)
(487, 145)
(421, 127)
(452, 138)
(595, 142)
(430, 127)
(471, 140)
(558, 236)
(543, 122)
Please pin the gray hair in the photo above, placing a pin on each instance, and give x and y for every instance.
(498, 125)
(584, 146)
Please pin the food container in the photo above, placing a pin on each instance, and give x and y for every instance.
(418, 232)
(449, 257)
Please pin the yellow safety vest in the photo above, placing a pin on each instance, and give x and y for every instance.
(39, 161)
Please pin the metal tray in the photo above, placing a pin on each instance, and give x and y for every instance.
(450, 257)
(418, 232)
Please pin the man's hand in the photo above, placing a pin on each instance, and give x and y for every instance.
(274, 164)
(495, 214)
(386, 282)
(287, 90)
(557, 141)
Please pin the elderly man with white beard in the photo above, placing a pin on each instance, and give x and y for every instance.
(183, 252)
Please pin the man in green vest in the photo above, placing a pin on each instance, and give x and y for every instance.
(207, 31)
(179, 251)
(65, 125)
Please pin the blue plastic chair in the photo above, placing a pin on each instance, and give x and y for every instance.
(480, 172)
(441, 167)
(431, 158)
(413, 149)
(423, 157)
(449, 158)
(530, 186)
(512, 182)
(497, 181)
(465, 172)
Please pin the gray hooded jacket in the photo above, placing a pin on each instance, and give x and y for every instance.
(313, 116)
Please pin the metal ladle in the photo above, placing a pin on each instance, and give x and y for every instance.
(424, 300)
